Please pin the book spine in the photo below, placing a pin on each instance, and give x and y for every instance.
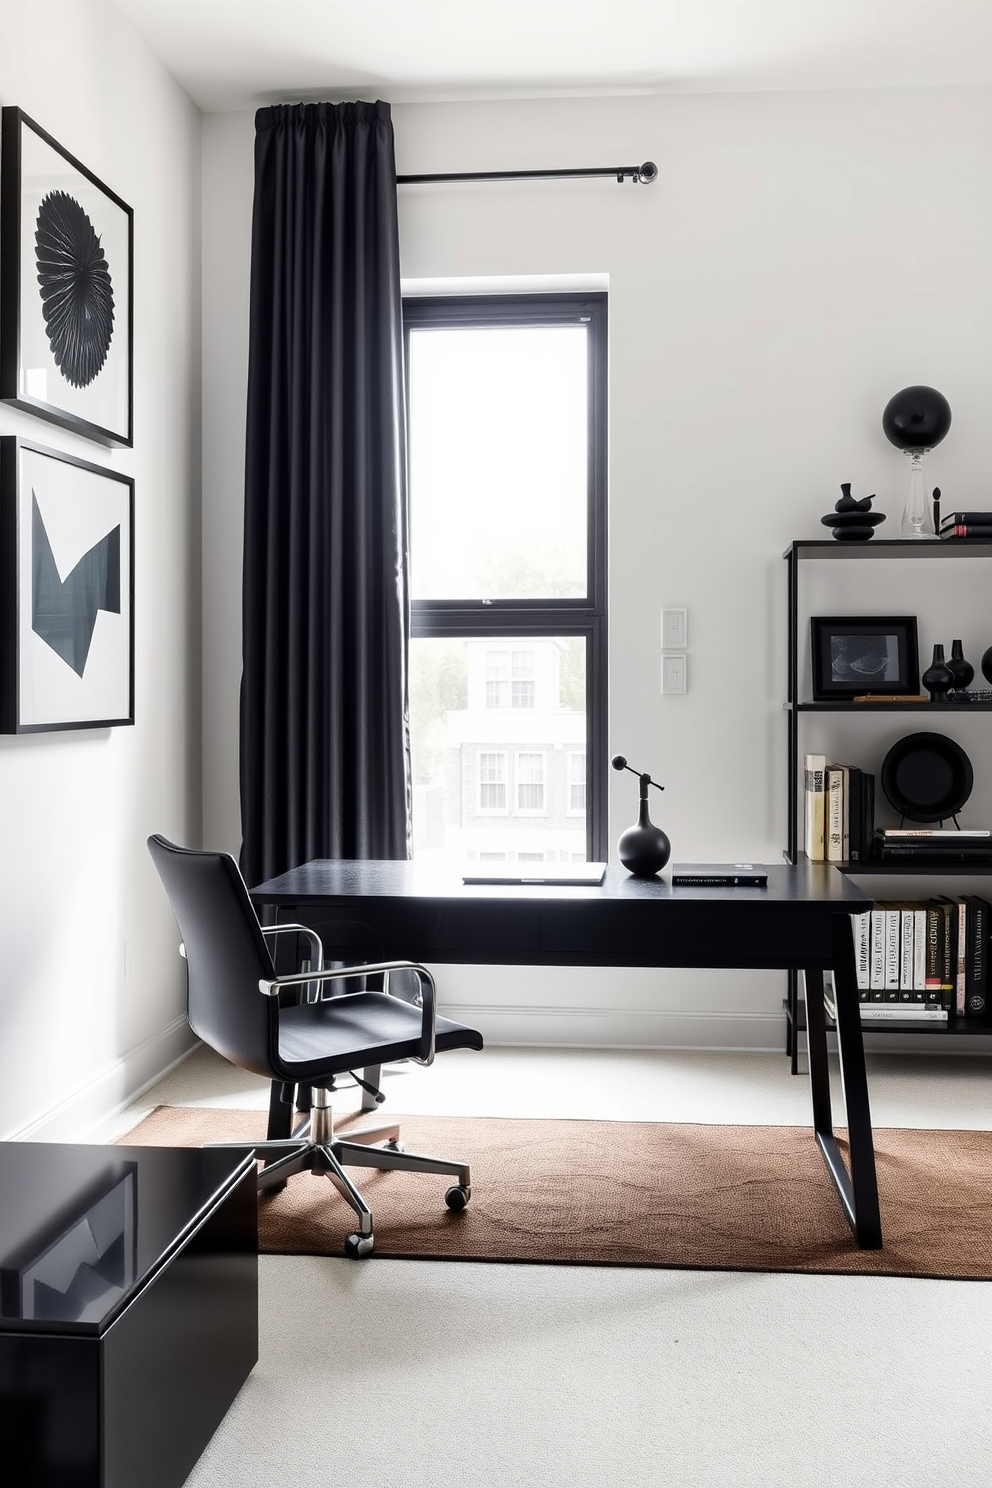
(907, 926)
(883, 1013)
(976, 985)
(955, 519)
(892, 952)
(867, 816)
(814, 801)
(845, 815)
(855, 815)
(835, 814)
(968, 529)
(861, 930)
(877, 979)
(935, 955)
(961, 959)
(919, 953)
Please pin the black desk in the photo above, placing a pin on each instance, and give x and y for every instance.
(128, 1309)
(801, 922)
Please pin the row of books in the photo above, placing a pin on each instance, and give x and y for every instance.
(923, 958)
(966, 524)
(838, 811)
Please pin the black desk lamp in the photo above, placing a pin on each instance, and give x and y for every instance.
(645, 849)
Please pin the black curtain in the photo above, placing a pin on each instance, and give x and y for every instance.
(324, 713)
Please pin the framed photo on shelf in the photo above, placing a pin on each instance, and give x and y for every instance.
(852, 655)
(66, 592)
(66, 277)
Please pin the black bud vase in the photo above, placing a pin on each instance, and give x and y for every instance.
(645, 849)
(987, 665)
(961, 670)
(938, 679)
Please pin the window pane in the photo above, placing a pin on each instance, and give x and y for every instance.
(498, 462)
(488, 781)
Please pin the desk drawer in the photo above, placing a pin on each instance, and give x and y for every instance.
(652, 934)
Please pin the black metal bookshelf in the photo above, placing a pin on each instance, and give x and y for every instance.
(829, 550)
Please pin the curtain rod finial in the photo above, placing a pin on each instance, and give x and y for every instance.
(647, 173)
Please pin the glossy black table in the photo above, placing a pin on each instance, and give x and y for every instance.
(128, 1309)
(800, 921)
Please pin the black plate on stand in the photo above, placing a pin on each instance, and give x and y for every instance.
(927, 777)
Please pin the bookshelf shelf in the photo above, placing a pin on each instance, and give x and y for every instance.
(926, 712)
(929, 715)
(959, 1027)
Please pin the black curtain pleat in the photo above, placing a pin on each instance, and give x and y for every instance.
(324, 713)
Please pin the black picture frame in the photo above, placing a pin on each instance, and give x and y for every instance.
(65, 357)
(66, 591)
(857, 654)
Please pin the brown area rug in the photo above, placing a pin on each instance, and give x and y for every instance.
(752, 1198)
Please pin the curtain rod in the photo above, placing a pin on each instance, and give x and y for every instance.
(643, 174)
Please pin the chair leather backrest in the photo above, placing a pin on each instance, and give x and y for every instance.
(225, 953)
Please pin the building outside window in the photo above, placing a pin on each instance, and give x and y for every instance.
(507, 418)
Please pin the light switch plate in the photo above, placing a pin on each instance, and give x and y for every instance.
(673, 673)
(674, 630)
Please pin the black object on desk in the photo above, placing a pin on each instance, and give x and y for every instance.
(800, 921)
(128, 1309)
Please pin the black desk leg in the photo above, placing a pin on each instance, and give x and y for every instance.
(858, 1188)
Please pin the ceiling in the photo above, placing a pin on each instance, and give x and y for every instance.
(238, 54)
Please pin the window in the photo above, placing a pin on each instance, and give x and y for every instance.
(492, 782)
(507, 430)
(530, 782)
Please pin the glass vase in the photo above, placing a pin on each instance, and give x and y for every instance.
(917, 517)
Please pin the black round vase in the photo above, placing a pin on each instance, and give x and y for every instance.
(938, 679)
(645, 849)
(987, 665)
(961, 670)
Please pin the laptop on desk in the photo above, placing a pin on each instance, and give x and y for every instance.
(535, 873)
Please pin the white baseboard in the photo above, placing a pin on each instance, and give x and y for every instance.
(113, 1088)
(620, 1028)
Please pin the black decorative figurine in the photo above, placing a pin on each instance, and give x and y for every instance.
(961, 670)
(853, 521)
(938, 679)
(645, 849)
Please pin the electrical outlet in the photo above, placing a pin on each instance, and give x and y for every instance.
(673, 674)
(674, 630)
(128, 961)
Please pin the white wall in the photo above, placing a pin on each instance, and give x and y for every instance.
(76, 882)
(800, 258)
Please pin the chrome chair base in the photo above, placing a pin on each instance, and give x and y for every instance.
(314, 1148)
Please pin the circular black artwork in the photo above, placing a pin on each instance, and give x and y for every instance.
(927, 777)
(77, 297)
(916, 418)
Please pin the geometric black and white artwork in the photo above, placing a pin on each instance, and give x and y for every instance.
(66, 570)
(65, 287)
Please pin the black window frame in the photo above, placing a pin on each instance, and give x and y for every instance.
(511, 619)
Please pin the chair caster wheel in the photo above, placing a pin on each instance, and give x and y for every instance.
(457, 1197)
(357, 1247)
(396, 1146)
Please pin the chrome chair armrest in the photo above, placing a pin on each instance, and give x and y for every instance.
(428, 994)
(316, 946)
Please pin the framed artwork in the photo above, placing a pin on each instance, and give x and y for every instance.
(66, 592)
(66, 274)
(854, 655)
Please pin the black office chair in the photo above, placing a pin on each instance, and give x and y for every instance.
(233, 1003)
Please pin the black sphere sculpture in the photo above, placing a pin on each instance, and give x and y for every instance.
(644, 849)
(916, 418)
